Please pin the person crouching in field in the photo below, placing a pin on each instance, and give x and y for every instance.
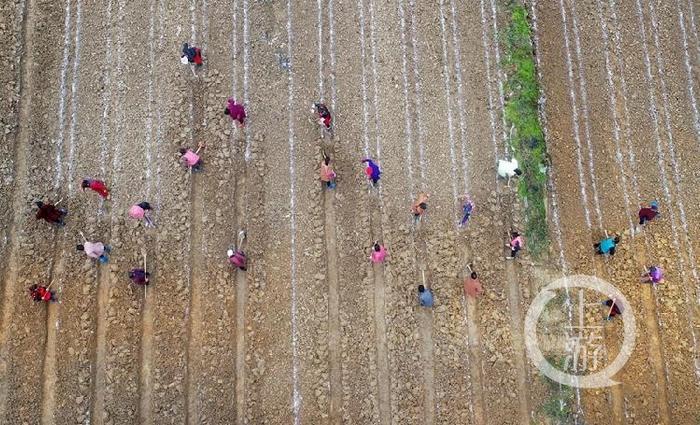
(191, 159)
(96, 186)
(141, 211)
(236, 111)
(324, 118)
(49, 213)
(40, 293)
(327, 173)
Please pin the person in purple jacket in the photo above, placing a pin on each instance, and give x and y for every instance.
(236, 111)
(653, 275)
(372, 171)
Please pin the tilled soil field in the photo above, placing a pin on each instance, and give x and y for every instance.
(313, 332)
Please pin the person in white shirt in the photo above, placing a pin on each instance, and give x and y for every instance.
(508, 169)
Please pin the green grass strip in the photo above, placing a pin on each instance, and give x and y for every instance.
(526, 136)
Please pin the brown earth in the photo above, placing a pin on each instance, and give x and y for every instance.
(312, 332)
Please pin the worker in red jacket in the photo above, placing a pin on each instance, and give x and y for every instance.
(648, 213)
(236, 111)
(96, 185)
(50, 213)
(193, 54)
(324, 118)
(40, 293)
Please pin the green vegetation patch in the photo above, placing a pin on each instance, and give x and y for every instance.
(526, 135)
(559, 406)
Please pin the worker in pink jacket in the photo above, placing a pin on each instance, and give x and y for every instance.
(96, 250)
(236, 256)
(191, 159)
(141, 211)
(327, 173)
(516, 244)
(378, 253)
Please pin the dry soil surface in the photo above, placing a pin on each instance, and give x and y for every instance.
(313, 332)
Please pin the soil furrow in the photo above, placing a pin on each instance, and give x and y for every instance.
(269, 386)
(619, 213)
(577, 242)
(224, 167)
(24, 324)
(325, 39)
(129, 239)
(197, 244)
(516, 320)
(467, 39)
(649, 302)
(313, 269)
(242, 155)
(476, 362)
(400, 304)
(652, 186)
(431, 60)
(333, 306)
(194, 311)
(485, 243)
(377, 298)
(99, 344)
(355, 279)
(666, 320)
(79, 275)
(426, 329)
(12, 82)
(380, 327)
(241, 301)
(154, 152)
(680, 116)
(64, 182)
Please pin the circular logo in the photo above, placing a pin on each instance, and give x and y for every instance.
(582, 332)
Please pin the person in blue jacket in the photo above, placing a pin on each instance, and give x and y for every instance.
(607, 246)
